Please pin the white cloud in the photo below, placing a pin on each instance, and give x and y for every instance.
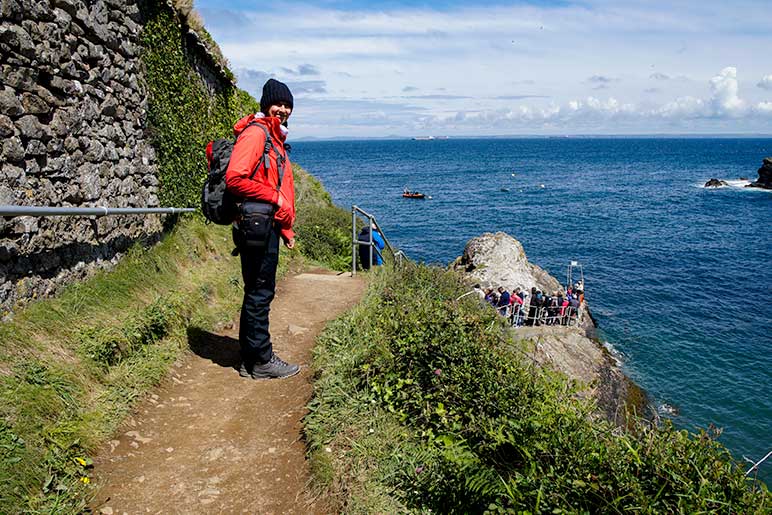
(766, 82)
(642, 50)
(724, 93)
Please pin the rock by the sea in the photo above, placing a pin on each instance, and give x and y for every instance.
(716, 183)
(498, 259)
(765, 176)
(495, 260)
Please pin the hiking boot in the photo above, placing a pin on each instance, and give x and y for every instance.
(276, 368)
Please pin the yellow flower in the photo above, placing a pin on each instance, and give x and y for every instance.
(81, 461)
(85, 480)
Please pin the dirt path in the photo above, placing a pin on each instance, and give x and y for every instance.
(209, 441)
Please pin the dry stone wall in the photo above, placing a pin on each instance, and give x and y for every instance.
(73, 122)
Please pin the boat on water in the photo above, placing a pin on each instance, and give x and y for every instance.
(412, 194)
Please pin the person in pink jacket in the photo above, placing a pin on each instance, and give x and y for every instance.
(270, 183)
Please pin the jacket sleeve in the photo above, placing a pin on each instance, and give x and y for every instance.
(246, 154)
(285, 215)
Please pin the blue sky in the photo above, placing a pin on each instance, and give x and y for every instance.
(496, 68)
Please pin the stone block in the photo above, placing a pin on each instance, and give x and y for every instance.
(48, 97)
(12, 150)
(55, 146)
(71, 144)
(96, 151)
(35, 147)
(11, 10)
(107, 132)
(10, 173)
(70, 87)
(31, 167)
(23, 78)
(63, 122)
(37, 9)
(8, 252)
(7, 128)
(30, 127)
(17, 39)
(71, 7)
(110, 153)
(109, 106)
(90, 184)
(105, 170)
(25, 225)
(33, 104)
(10, 105)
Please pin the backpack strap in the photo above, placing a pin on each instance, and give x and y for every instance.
(264, 159)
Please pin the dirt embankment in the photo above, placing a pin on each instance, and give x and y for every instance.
(209, 441)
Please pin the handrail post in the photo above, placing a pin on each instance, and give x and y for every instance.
(370, 224)
(353, 240)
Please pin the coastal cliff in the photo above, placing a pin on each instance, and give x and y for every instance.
(498, 259)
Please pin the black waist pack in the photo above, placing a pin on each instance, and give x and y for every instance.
(256, 223)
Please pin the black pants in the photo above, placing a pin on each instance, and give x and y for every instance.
(258, 269)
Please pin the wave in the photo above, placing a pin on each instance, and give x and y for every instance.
(739, 184)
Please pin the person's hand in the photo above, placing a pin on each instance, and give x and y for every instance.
(280, 201)
(290, 243)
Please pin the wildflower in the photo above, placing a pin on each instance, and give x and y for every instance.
(81, 461)
(438, 372)
(419, 469)
(85, 480)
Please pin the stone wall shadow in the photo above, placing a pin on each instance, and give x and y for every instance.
(219, 349)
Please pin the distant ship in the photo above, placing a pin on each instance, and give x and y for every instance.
(423, 138)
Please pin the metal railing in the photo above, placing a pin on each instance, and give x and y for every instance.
(14, 211)
(356, 242)
(519, 316)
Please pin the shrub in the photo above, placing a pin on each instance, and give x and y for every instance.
(323, 229)
(483, 427)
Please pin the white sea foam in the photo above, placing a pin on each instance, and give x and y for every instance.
(614, 353)
(731, 184)
(668, 409)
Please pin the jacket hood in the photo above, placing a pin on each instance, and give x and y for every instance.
(271, 122)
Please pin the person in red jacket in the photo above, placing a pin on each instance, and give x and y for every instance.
(248, 179)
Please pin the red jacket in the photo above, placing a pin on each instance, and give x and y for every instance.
(246, 154)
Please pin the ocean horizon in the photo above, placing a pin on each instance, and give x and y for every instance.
(678, 276)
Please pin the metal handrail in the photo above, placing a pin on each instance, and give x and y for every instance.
(14, 211)
(371, 220)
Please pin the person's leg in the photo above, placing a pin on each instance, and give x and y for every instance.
(258, 269)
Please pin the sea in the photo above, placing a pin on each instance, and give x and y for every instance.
(678, 276)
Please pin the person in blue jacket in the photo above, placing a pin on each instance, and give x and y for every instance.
(364, 248)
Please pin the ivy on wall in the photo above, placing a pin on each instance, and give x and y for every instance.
(182, 114)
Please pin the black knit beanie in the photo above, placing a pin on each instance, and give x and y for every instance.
(273, 93)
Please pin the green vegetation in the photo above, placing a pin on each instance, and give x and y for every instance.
(323, 229)
(71, 367)
(182, 114)
(426, 404)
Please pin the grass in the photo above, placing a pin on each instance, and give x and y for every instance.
(72, 367)
(427, 404)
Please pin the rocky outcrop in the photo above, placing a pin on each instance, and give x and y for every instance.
(716, 183)
(499, 260)
(74, 133)
(765, 175)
